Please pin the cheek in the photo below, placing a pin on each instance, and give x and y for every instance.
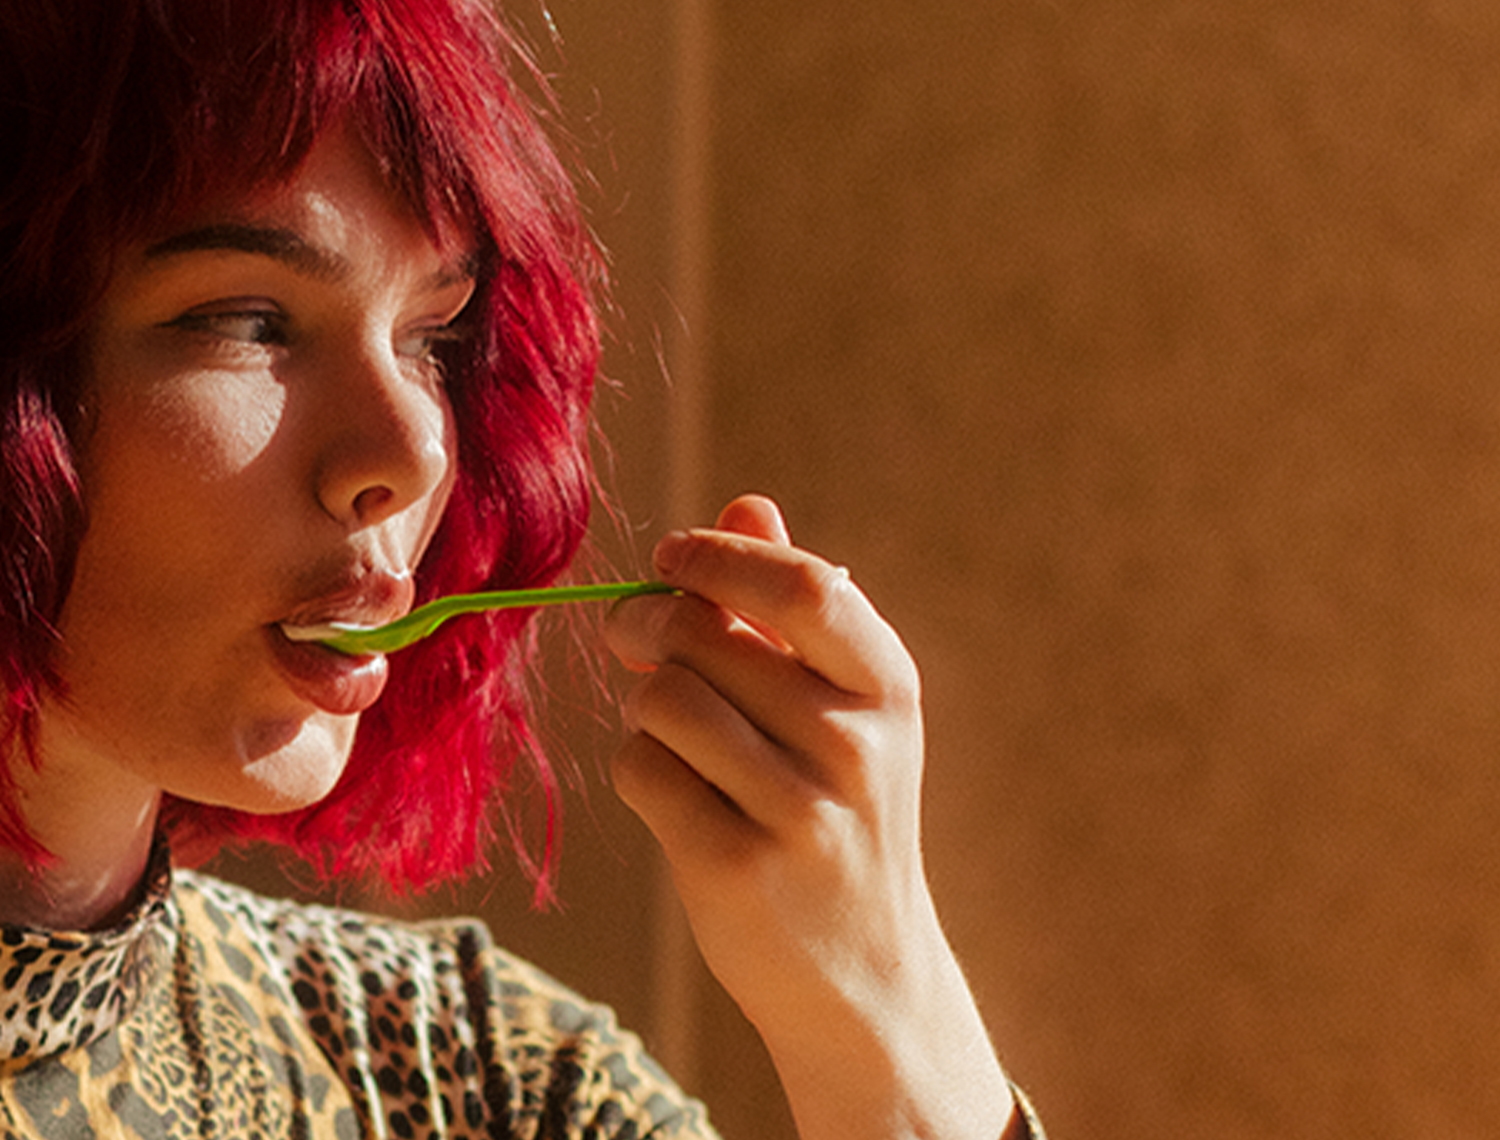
(207, 429)
(174, 476)
(168, 470)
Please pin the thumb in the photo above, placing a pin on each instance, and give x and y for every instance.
(757, 517)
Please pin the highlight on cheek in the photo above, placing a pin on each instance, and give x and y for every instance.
(213, 423)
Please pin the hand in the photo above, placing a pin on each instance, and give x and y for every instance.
(775, 750)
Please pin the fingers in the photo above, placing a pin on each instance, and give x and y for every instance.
(760, 683)
(757, 517)
(690, 817)
(676, 714)
(771, 679)
(813, 606)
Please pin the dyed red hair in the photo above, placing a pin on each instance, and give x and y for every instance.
(117, 116)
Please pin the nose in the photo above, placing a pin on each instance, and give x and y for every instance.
(389, 440)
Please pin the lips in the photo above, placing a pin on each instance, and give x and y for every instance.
(336, 682)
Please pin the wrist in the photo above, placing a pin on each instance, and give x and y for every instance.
(915, 1063)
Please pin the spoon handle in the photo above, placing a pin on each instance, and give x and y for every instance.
(424, 619)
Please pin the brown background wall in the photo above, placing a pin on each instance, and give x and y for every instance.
(1140, 357)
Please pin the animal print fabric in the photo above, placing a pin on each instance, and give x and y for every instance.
(212, 1012)
(60, 991)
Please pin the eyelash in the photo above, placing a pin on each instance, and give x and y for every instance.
(433, 338)
(272, 328)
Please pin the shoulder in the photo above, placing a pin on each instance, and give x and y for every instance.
(432, 1017)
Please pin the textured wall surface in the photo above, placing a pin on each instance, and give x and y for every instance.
(1141, 359)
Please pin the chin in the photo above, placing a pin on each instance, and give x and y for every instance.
(288, 766)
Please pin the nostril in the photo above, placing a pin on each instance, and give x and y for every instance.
(372, 501)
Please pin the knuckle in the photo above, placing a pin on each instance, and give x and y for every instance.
(819, 590)
(851, 736)
(822, 833)
(806, 816)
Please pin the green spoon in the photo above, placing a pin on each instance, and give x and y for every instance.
(360, 640)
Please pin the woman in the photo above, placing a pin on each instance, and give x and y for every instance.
(299, 328)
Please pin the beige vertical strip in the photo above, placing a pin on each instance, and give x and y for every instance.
(678, 972)
(689, 266)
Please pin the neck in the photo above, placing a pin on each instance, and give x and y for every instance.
(96, 822)
(71, 894)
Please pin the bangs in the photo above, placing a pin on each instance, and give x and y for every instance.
(214, 100)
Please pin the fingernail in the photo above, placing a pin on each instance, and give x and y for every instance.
(670, 551)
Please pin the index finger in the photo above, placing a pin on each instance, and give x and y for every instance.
(812, 605)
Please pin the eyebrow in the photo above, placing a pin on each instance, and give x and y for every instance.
(285, 246)
(290, 249)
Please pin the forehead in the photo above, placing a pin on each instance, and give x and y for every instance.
(334, 216)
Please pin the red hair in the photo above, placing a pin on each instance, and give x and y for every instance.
(116, 116)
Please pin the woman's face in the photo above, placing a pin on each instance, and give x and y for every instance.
(267, 443)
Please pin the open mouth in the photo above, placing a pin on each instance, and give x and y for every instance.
(322, 631)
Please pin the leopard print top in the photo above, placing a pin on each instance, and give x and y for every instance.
(213, 1012)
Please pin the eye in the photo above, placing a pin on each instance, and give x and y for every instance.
(426, 344)
(242, 326)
